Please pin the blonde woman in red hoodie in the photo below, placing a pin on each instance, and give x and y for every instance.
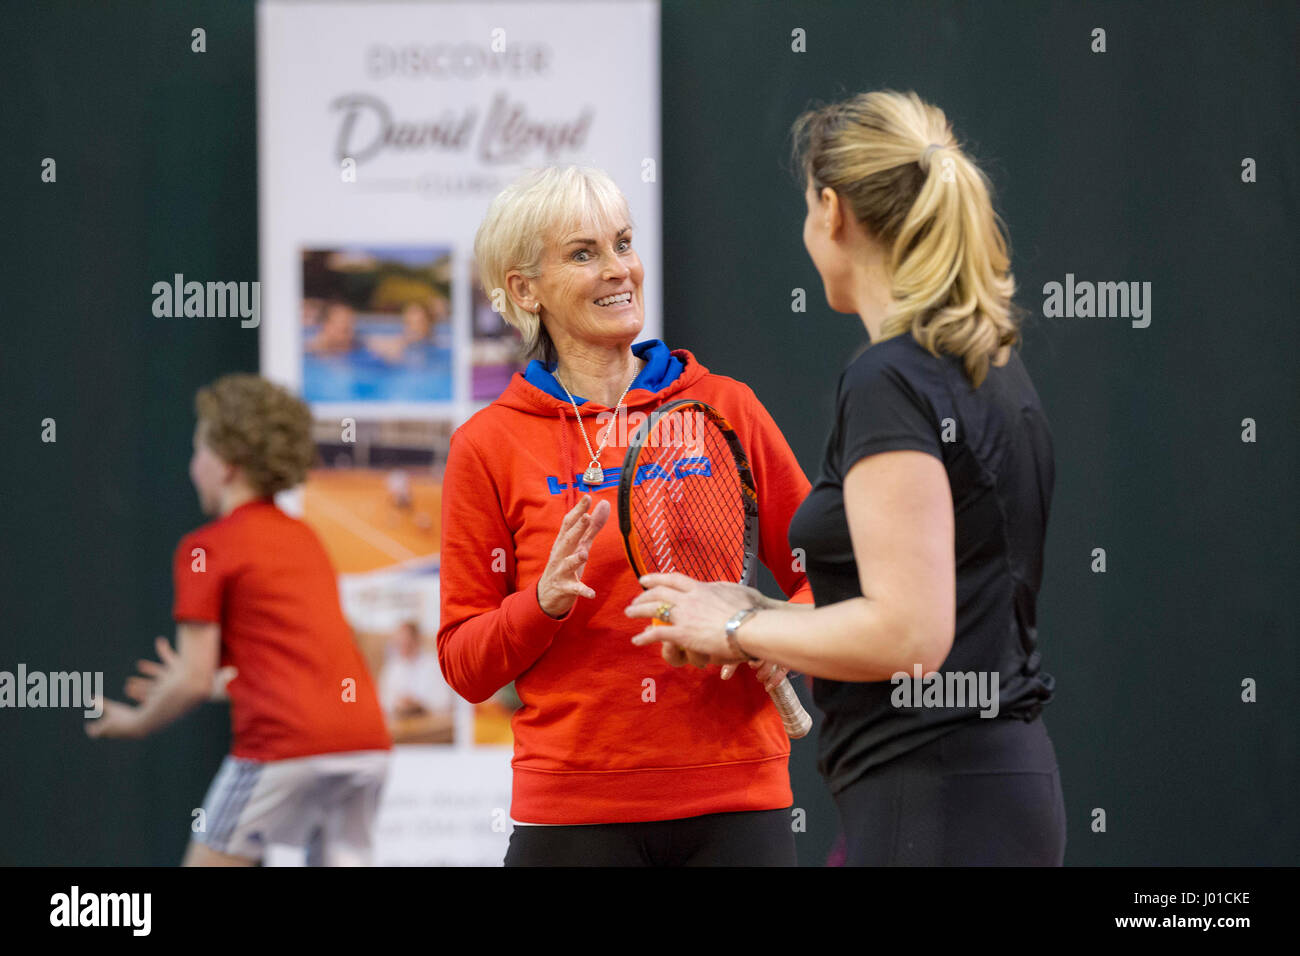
(622, 757)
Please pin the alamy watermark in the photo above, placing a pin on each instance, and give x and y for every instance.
(676, 430)
(57, 689)
(949, 689)
(212, 300)
(1102, 300)
(129, 910)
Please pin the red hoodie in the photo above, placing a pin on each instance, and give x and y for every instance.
(608, 732)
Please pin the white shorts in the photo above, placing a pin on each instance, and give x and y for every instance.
(317, 810)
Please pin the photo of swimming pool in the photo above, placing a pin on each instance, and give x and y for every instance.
(376, 325)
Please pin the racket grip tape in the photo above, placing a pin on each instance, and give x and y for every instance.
(796, 719)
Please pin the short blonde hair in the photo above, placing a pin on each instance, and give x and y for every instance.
(948, 259)
(259, 426)
(520, 221)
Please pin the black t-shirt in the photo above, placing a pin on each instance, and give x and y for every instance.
(995, 445)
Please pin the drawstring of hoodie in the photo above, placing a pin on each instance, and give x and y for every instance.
(566, 476)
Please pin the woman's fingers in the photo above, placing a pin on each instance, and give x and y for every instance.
(645, 603)
(573, 565)
(600, 514)
(580, 527)
(576, 512)
(569, 554)
(673, 654)
(669, 579)
(571, 525)
(593, 522)
(652, 598)
(770, 675)
(659, 635)
(571, 528)
(641, 609)
(696, 659)
(577, 587)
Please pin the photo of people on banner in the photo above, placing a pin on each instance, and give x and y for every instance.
(376, 324)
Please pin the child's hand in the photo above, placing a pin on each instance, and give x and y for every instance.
(220, 679)
(118, 720)
(141, 686)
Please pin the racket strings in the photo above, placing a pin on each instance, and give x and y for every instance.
(687, 520)
(689, 536)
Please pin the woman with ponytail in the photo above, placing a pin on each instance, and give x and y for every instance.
(923, 534)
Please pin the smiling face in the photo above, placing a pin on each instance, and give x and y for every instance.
(590, 288)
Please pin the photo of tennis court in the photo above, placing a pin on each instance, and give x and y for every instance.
(375, 501)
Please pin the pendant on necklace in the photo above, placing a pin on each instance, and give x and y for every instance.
(593, 475)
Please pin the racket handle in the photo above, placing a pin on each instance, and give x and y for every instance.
(796, 719)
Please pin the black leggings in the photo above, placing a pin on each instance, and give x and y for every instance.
(988, 794)
(750, 838)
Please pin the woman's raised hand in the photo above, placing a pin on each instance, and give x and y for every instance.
(561, 583)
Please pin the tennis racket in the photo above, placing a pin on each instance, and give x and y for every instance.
(687, 503)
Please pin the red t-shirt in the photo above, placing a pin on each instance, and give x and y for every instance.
(302, 687)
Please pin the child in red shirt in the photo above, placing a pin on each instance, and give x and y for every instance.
(256, 594)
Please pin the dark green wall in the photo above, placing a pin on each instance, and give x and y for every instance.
(1122, 166)
(157, 174)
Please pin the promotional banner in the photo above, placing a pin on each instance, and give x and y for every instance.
(384, 130)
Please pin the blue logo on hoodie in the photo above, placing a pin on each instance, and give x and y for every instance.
(697, 467)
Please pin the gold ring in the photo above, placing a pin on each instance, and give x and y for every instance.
(664, 613)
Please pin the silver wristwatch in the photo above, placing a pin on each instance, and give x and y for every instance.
(732, 625)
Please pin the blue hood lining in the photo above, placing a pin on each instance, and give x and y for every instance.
(661, 370)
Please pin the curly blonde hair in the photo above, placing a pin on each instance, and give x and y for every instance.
(259, 426)
(948, 260)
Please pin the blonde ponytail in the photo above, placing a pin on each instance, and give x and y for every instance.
(894, 161)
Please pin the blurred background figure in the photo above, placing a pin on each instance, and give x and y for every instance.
(419, 320)
(337, 333)
(399, 489)
(398, 483)
(311, 312)
(416, 699)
